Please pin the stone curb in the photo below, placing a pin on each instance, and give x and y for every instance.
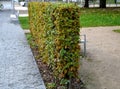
(26, 31)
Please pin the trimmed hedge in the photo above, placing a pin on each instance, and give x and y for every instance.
(55, 28)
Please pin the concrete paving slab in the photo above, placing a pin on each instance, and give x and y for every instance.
(18, 69)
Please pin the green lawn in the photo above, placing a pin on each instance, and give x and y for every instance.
(92, 17)
(24, 21)
(100, 17)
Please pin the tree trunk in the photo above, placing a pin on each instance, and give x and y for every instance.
(86, 4)
(102, 3)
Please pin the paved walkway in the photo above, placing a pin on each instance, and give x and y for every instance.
(23, 11)
(18, 69)
(101, 68)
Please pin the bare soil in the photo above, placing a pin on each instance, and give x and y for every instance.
(101, 68)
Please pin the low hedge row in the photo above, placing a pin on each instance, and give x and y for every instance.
(55, 28)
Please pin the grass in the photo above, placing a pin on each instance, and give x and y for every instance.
(117, 30)
(92, 17)
(100, 17)
(24, 21)
(29, 38)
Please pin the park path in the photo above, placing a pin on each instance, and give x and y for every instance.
(18, 69)
(101, 68)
